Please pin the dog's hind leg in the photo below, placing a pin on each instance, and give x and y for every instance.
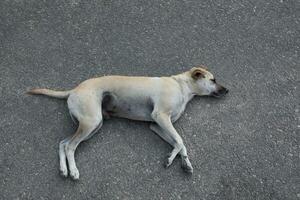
(62, 157)
(62, 154)
(84, 131)
(87, 111)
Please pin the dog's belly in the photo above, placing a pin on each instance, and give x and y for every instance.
(135, 108)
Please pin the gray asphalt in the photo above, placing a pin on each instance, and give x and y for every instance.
(244, 146)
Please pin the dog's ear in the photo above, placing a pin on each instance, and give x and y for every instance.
(197, 73)
(201, 66)
(204, 67)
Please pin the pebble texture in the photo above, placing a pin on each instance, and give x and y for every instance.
(244, 146)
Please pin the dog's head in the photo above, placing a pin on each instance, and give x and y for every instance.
(204, 83)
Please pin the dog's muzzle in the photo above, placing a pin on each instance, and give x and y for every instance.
(222, 91)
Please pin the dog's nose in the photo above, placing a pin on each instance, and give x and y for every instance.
(223, 91)
(220, 92)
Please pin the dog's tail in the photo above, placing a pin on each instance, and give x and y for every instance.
(51, 93)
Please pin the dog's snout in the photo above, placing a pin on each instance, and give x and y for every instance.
(221, 91)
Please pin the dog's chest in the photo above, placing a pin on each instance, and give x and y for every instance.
(177, 112)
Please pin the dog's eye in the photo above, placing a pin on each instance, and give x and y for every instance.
(213, 80)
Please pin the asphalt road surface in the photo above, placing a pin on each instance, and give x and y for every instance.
(244, 146)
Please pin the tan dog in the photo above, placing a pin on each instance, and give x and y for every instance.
(160, 100)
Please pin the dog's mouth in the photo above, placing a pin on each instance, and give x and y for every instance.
(220, 93)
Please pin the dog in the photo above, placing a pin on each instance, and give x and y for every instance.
(159, 100)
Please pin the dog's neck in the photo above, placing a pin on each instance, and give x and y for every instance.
(184, 80)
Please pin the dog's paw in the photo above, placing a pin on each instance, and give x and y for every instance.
(167, 162)
(74, 173)
(187, 166)
(187, 169)
(63, 172)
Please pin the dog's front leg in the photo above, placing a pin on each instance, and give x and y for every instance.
(169, 132)
(185, 162)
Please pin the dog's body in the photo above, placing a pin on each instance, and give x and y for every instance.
(161, 100)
